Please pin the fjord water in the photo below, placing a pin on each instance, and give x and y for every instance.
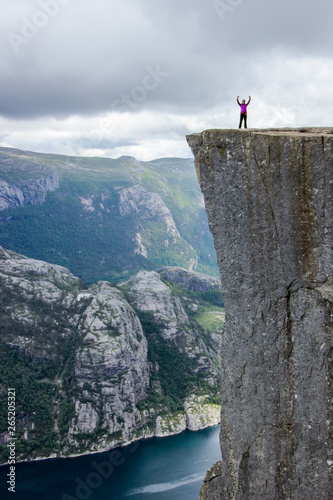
(170, 468)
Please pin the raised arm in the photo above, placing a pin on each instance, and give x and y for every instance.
(248, 102)
(238, 100)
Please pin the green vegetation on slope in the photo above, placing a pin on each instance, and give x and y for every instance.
(172, 372)
(81, 226)
(34, 401)
(93, 245)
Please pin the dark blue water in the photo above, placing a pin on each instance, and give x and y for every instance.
(169, 468)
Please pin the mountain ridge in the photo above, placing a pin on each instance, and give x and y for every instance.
(105, 218)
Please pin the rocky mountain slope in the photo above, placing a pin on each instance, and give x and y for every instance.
(104, 218)
(269, 199)
(99, 366)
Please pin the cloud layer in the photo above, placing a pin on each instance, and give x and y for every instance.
(133, 77)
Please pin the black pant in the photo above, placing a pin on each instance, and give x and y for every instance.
(242, 117)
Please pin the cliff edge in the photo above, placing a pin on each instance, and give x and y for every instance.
(268, 196)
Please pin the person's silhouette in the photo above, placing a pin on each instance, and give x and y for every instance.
(243, 115)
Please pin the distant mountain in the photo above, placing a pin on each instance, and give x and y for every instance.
(104, 218)
(99, 366)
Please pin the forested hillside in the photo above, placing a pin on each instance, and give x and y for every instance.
(104, 218)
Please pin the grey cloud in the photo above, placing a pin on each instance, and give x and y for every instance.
(92, 54)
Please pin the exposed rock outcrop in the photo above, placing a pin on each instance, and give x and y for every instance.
(193, 281)
(30, 192)
(107, 365)
(269, 200)
(148, 206)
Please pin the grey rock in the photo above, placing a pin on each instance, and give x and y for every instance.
(199, 414)
(147, 205)
(191, 280)
(147, 293)
(30, 192)
(49, 315)
(268, 196)
(211, 487)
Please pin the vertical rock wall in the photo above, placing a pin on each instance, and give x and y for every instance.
(269, 200)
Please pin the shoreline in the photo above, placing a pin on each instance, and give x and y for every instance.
(118, 447)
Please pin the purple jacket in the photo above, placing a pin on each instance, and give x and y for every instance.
(243, 106)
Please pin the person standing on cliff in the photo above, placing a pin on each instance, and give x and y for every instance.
(243, 114)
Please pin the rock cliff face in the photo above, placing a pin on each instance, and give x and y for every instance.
(28, 193)
(193, 281)
(269, 199)
(100, 366)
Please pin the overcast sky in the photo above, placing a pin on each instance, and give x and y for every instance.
(133, 77)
